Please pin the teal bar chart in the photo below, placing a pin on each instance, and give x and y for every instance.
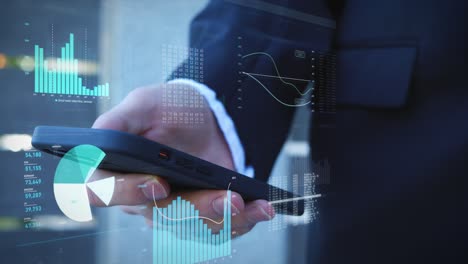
(61, 75)
(180, 235)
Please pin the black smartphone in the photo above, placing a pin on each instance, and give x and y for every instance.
(135, 154)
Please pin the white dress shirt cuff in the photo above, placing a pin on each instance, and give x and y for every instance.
(225, 123)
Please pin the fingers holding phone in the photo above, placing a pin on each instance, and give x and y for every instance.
(130, 189)
(141, 113)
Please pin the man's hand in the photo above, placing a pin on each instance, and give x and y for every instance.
(141, 113)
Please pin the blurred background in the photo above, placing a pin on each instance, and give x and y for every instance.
(117, 42)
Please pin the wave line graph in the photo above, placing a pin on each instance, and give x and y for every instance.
(277, 77)
(192, 217)
(189, 239)
(308, 197)
(281, 78)
(276, 98)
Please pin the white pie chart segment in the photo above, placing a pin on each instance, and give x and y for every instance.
(104, 189)
(73, 200)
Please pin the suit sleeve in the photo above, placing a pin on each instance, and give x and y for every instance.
(237, 39)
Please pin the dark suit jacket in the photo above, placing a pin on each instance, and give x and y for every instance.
(399, 147)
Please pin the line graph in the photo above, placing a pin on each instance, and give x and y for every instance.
(276, 98)
(277, 77)
(260, 77)
(308, 197)
(278, 73)
(181, 236)
(294, 74)
(191, 217)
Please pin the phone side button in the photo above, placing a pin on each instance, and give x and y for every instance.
(164, 154)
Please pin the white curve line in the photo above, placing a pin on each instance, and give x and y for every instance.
(279, 101)
(277, 71)
(275, 76)
(297, 199)
(187, 218)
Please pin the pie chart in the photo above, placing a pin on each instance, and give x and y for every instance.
(71, 182)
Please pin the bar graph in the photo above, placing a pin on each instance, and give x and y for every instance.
(181, 236)
(60, 76)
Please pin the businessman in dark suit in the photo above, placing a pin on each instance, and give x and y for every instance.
(397, 143)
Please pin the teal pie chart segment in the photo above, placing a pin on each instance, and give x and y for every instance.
(71, 182)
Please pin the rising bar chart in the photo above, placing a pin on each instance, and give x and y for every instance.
(60, 76)
(181, 236)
